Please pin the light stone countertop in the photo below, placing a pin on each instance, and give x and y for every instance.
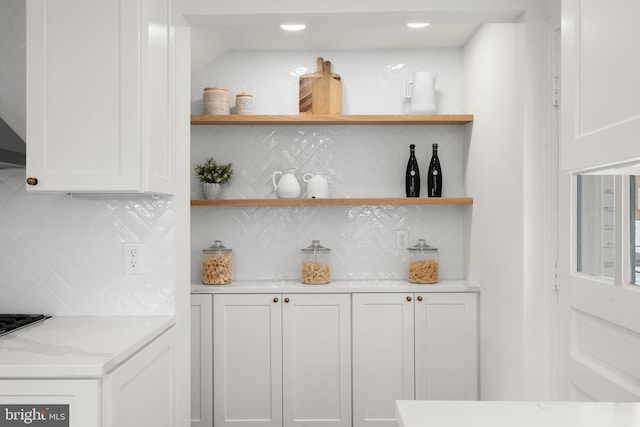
(338, 286)
(76, 346)
(420, 413)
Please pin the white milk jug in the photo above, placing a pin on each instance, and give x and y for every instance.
(287, 185)
(317, 186)
(422, 93)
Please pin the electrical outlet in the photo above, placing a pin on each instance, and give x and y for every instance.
(402, 238)
(132, 258)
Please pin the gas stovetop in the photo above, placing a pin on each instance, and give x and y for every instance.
(12, 322)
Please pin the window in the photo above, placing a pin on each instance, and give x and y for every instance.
(598, 233)
(596, 225)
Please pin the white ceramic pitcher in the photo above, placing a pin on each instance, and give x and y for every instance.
(287, 185)
(422, 93)
(317, 186)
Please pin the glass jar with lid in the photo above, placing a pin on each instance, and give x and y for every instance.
(423, 263)
(316, 269)
(217, 265)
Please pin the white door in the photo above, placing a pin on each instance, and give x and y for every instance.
(599, 328)
(383, 356)
(201, 360)
(601, 112)
(599, 307)
(446, 340)
(316, 339)
(247, 360)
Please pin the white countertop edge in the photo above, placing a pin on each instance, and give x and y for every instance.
(338, 286)
(420, 413)
(163, 324)
(42, 351)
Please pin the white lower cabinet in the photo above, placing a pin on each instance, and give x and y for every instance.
(139, 392)
(282, 360)
(412, 346)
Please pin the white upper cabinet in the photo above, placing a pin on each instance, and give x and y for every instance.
(100, 96)
(600, 84)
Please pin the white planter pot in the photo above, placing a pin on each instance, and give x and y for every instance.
(211, 191)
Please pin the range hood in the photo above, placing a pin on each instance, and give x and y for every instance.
(12, 148)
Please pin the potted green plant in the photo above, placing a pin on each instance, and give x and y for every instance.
(213, 175)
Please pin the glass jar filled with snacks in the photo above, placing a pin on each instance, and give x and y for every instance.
(316, 269)
(423, 263)
(217, 265)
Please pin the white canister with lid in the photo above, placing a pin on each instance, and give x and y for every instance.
(317, 186)
(215, 101)
(244, 103)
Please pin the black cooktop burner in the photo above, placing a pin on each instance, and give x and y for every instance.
(11, 322)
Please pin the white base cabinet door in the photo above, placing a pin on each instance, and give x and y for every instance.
(383, 357)
(446, 337)
(100, 96)
(412, 346)
(81, 396)
(201, 360)
(316, 360)
(282, 360)
(140, 392)
(247, 360)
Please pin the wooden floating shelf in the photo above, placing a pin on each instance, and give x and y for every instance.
(334, 119)
(347, 201)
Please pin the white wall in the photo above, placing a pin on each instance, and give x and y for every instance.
(494, 175)
(509, 175)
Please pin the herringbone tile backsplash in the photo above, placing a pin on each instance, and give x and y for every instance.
(65, 256)
(359, 161)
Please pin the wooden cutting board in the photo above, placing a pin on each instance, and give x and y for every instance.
(326, 93)
(306, 87)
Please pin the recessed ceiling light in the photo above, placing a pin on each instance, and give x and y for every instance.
(418, 24)
(293, 27)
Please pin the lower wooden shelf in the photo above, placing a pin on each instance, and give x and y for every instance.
(333, 119)
(344, 201)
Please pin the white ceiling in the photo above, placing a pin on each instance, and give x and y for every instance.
(215, 34)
